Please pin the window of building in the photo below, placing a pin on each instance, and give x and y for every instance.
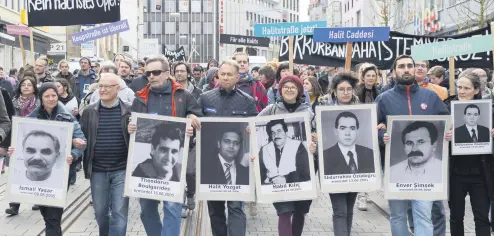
(155, 28)
(184, 27)
(170, 27)
(208, 28)
(169, 6)
(195, 27)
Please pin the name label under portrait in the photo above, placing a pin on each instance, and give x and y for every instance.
(157, 187)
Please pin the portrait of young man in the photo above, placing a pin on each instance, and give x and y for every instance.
(347, 157)
(166, 144)
(220, 161)
(472, 131)
(421, 165)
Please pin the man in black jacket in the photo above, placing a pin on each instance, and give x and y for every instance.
(346, 157)
(471, 131)
(227, 101)
(105, 125)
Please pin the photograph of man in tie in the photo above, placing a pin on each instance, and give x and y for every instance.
(471, 131)
(347, 157)
(220, 161)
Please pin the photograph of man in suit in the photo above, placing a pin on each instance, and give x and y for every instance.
(283, 160)
(346, 157)
(165, 150)
(222, 165)
(421, 166)
(471, 131)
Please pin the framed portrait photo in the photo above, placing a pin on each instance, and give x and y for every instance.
(223, 167)
(283, 165)
(349, 159)
(417, 158)
(38, 171)
(472, 122)
(157, 159)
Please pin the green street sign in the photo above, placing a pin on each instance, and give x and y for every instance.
(450, 48)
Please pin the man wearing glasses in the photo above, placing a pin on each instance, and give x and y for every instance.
(421, 69)
(105, 124)
(407, 98)
(80, 83)
(163, 96)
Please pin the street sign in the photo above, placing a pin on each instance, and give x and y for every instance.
(18, 30)
(244, 40)
(99, 32)
(451, 48)
(287, 29)
(351, 34)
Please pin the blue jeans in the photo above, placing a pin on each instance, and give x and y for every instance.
(438, 218)
(150, 217)
(107, 189)
(422, 217)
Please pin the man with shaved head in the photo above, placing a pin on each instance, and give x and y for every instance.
(105, 125)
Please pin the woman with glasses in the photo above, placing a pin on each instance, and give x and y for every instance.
(470, 174)
(24, 103)
(291, 215)
(341, 93)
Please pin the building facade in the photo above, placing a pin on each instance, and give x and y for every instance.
(441, 17)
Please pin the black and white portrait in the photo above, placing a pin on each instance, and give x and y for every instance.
(223, 158)
(347, 139)
(417, 154)
(39, 162)
(284, 162)
(157, 154)
(472, 121)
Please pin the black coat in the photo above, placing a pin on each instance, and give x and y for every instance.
(10, 112)
(463, 136)
(335, 163)
(213, 173)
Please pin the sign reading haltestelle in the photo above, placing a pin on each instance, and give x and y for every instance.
(244, 40)
(287, 29)
(351, 34)
(99, 32)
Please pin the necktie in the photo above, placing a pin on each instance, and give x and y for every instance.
(351, 163)
(474, 136)
(228, 175)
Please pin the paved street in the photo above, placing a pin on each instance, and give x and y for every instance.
(79, 218)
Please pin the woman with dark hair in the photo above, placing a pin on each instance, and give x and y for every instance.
(367, 90)
(267, 76)
(26, 99)
(273, 92)
(51, 109)
(342, 93)
(470, 174)
(314, 89)
(211, 79)
(67, 97)
(291, 215)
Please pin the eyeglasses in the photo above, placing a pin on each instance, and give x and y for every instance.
(344, 91)
(154, 72)
(105, 87)
(289, 88)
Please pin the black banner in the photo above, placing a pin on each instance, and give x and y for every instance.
(173, 56)
(380, 53)
(244, 40)
(72, 12)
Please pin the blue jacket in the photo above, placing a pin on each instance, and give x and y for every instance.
(64, 116)
(408, 100)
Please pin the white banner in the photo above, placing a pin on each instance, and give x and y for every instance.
(149, 47)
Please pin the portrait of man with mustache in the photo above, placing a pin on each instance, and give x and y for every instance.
(40, 151)
(421, 164)
(283, 160)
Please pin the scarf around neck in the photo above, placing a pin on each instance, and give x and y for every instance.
(27, 105)
(245, 77)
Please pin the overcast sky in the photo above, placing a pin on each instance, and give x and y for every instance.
(304, 5)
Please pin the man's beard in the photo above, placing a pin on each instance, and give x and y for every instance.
(405, 79)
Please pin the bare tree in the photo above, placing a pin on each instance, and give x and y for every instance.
(468, 17)
(385, 11)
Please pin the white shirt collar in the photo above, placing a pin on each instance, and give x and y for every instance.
(344, 151)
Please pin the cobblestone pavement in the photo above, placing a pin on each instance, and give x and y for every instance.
(318, 221)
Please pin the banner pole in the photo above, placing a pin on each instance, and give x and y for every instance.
(23, 53)
(31, 41)
(492, 33)
(348, 59)
(452, 84)
(290, 53)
